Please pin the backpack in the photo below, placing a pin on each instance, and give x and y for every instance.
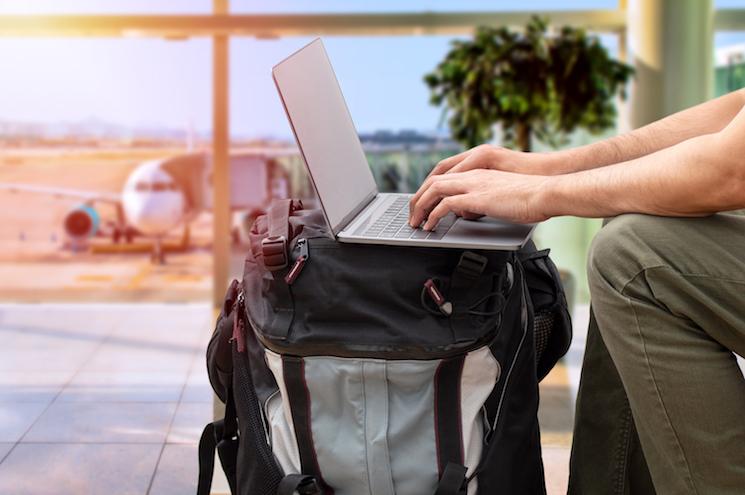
(359, 368)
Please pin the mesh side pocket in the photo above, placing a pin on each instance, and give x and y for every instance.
(258, 472)
(543, 325)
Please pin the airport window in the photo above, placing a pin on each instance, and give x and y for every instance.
(84, 119)
(729, 4)
(729, 62)
(336, 6)
(107, 7)
(119, 92)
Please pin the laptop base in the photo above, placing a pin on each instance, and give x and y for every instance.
(485, 233)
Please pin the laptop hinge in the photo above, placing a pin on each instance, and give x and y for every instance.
(352, 215)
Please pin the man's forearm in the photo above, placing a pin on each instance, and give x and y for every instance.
(669, 182)
(707, 118)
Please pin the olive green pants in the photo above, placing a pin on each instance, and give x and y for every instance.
(661, 403)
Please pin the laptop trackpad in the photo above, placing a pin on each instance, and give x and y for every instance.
(489, 229)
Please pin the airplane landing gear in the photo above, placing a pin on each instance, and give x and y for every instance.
(122, 232)
(158, 255)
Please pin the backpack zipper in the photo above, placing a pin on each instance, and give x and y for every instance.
(297, 267)
(493, 426)
(238, 328)
(524, 324)
(255, 414)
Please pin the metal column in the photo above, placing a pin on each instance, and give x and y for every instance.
(671, 44)
(220, 161)
(220, 189)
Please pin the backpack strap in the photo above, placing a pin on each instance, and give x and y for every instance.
(466, 273)
(465, 276)
(276, 258)
(220, 435)
(453, 480)
(207, 446)
(293, 370)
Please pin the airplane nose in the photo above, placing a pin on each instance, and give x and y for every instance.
(155, 214)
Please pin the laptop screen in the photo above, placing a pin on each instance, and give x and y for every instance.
(325, 133)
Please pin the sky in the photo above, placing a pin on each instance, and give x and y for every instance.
(152, 83)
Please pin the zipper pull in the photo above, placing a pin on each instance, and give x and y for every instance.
(238, 328)
(297, 267)
(446, 307)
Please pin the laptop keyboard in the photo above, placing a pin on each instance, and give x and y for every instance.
(394, 223)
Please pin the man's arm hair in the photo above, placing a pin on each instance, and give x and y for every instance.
(696, 176)
(706, 118)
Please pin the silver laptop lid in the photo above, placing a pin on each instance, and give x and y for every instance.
(325, 133)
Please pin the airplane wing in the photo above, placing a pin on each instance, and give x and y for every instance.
(59, 192)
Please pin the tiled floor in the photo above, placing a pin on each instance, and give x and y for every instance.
(102, 398)
(112, 399)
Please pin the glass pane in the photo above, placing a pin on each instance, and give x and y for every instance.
(729, 4)
(83, 121)
(133, 83)
(105, 7)
(729, 62)
(290, 6)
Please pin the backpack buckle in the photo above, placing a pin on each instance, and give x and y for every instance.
(471, 265)
(309, 487)
(274, 251)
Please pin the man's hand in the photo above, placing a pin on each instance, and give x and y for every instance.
(491, 157)
(505, 195)
(486, 157)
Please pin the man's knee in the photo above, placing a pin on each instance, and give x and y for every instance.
(626, 246)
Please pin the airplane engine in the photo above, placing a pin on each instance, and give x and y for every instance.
(82, 222)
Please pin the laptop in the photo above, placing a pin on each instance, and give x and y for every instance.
(354, 209)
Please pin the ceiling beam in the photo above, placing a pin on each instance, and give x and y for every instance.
(275, 26)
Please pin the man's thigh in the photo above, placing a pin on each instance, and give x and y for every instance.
(668, 297)
(691, 266)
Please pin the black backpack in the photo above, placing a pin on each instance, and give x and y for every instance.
(353, 368)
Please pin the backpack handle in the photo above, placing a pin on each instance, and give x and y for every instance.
(274, 245)
(278, 217)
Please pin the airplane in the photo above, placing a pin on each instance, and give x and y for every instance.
(163, 194)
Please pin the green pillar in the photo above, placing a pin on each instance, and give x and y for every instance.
(671, 48)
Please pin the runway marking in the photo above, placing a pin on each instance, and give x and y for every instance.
(136, 281)
(183, 277)
(94, 278)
